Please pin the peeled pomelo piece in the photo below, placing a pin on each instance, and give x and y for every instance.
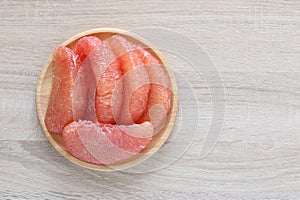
(104, 143)
(160, 95)
(96, 81)
(135, 80)
(107, 70)
(59, 111)
(105, 104)
(86, 80)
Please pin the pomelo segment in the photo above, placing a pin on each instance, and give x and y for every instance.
(107, 69)
(103, 143)
(86, 80)
(96, 81)
(160, 95)
(59, 111)
(135, 79)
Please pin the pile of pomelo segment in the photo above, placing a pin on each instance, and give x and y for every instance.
(108, 99)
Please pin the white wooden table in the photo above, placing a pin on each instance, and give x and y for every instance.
(255, 46)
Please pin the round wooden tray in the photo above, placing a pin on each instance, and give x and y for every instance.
(44, 89)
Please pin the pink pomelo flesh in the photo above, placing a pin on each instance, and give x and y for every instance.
(104, 143)
(59, 112)
(135, 79)
(160, 95)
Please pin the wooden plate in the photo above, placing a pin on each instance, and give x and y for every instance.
(43, 94)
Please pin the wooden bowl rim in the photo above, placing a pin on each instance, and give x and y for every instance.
(130, 163)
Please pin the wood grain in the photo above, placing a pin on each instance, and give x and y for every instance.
(254, 45)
